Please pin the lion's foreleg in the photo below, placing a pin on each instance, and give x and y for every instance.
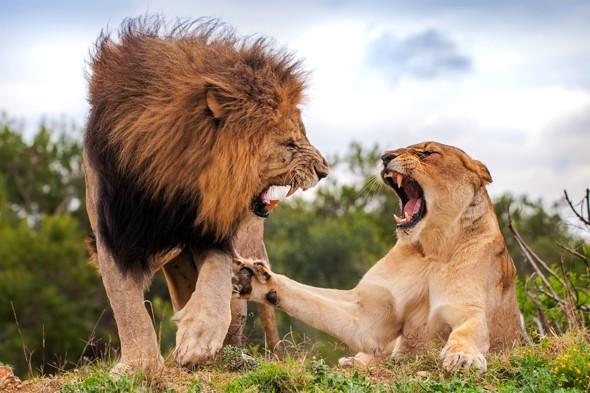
(181, 278)
(204, 321)
(139, 346)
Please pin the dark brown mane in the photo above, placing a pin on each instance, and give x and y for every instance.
(171, 173)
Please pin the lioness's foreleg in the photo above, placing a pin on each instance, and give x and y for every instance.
(357, 320)
(467, 343)
(204, 321)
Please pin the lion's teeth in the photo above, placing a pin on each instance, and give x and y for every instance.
(399, 180)
(292, 190)
(399, 220)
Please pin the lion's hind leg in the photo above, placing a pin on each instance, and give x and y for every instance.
(139, 346)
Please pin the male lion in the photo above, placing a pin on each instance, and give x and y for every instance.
(448, 277)
(188, 130)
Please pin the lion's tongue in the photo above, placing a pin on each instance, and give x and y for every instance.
(414, 201)
(269, 204)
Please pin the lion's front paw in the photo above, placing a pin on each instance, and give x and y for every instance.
(456, 356)
(199, 340)
(244, 269)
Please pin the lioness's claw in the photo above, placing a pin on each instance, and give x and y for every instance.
(454, 360)
(256, 267)
(243, 270)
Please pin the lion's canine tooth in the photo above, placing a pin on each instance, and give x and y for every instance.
(292, 190)
(399, 180)
(271, 205)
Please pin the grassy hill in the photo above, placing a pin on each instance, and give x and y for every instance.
(551, 364)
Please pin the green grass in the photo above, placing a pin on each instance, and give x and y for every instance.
(553, 364)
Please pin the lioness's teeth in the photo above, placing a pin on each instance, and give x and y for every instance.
(399, 220)
(399, 180)
(292, 190)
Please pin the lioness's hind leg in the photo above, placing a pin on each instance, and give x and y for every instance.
(359, 360)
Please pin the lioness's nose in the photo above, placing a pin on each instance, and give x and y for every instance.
(387, 156)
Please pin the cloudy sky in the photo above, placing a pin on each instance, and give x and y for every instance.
(507, 80)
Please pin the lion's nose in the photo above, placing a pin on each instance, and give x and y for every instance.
(387, 156)
(322, 169)
(321, 174)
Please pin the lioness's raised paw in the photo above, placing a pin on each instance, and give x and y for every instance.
(244, 269)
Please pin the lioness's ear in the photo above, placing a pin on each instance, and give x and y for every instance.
(479, 168)
(483, 172)
(213, 103)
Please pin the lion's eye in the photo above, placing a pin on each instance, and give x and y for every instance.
(291, 144)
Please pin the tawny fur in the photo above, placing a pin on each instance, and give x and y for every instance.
(153, 85)
(449, 277)
(188, 126)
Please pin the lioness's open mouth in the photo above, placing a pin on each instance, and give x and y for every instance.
(411, 196)
(262, 204)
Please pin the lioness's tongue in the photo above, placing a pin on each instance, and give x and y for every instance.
(412, 207)
(414, 201)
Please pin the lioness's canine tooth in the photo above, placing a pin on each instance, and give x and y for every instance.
(399, 180)
(398, 219)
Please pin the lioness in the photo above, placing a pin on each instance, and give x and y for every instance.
(448, 277)
(189, 129)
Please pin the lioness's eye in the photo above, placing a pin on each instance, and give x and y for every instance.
(425, 153)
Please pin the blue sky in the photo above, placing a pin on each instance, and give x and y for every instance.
(507, 81)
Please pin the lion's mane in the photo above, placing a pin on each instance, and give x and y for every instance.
(170, 171)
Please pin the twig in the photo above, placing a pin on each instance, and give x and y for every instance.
(580, 216)
(574, 252)
(28, 357)
(532, 257)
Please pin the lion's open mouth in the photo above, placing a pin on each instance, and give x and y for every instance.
(262, 204)
(411, 196)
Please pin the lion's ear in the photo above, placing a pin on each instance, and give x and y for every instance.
(214, 105)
